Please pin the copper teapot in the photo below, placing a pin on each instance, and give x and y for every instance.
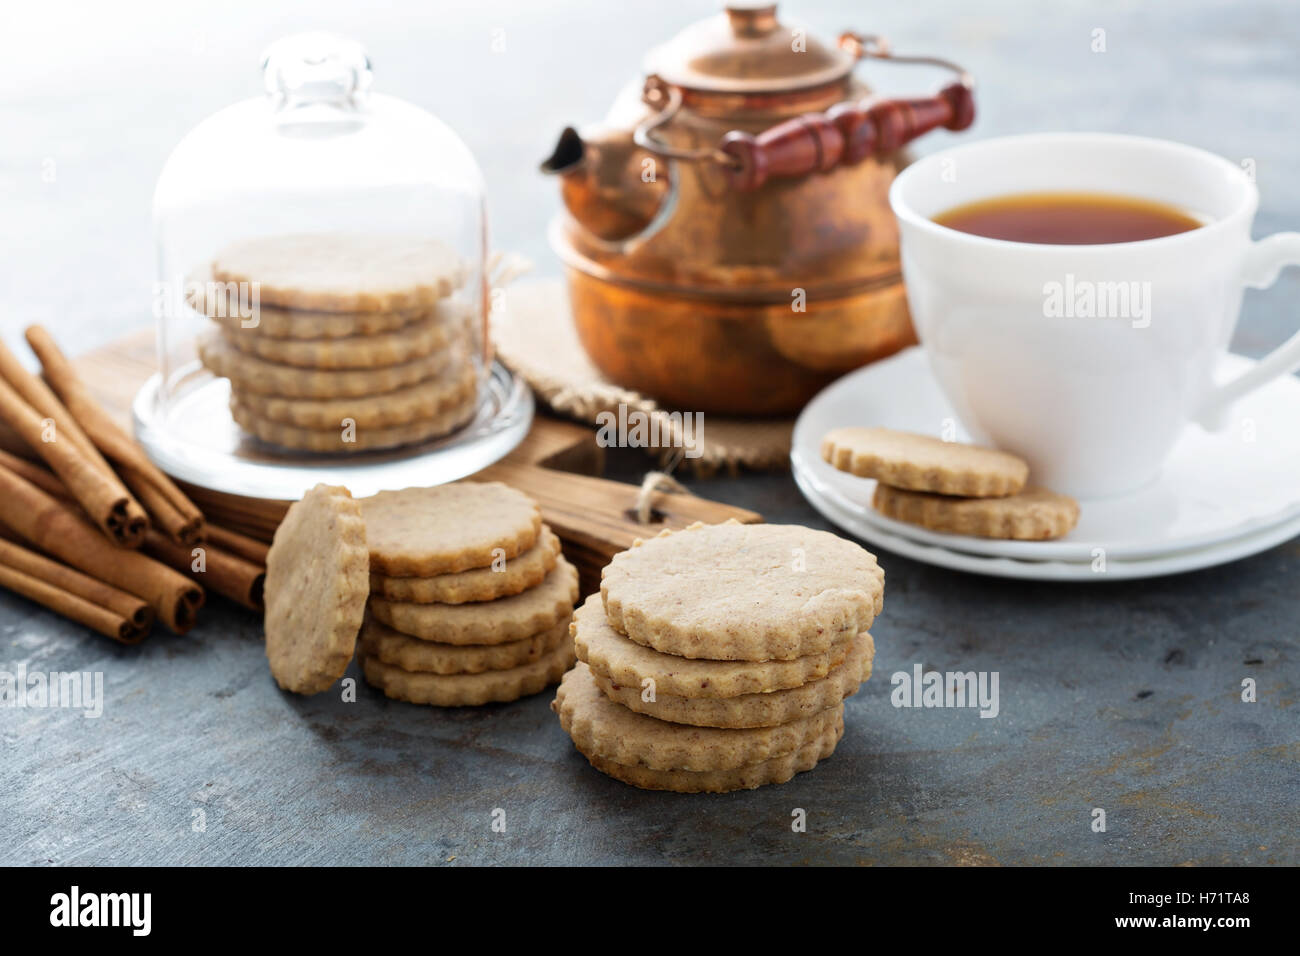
(727, 238)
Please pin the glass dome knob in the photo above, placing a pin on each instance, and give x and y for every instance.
(316, 68)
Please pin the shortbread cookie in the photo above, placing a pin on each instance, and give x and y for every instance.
(352, 438)
(343, 273)
(600, 726)
(751, 710)
(620, 660)
(412, 341)
(1034, 514)
(225, 306)
(405, 406)
(921, 463)
(734, 591)
(469, 690)
(487, 622)
(477, 584)
(252, 374)
(317, 579)
(776, 770)
(412, 654)
(420, 532)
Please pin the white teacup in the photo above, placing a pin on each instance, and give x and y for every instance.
(1093, 396)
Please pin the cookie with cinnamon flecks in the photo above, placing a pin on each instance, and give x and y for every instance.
(922, 463)
(317, 580)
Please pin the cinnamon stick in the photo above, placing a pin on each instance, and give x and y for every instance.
(183, 528)
(11, 442)
(227, 574)
(179, 518)
(101, 607)
(247, 548)
(38, 475)
(96, 489)
(236, 565)
(38, 395)
(55, 528)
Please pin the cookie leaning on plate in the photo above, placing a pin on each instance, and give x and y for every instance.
(1034, 514)
(742, 592)
(317, 579)
(922, 463)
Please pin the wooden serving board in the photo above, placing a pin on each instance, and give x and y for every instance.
(558, 464)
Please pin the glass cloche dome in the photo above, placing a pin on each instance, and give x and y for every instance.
(321, 297)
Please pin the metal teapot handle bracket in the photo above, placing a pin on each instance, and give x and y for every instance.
(847, 133)
(667, 99)
(876, 47)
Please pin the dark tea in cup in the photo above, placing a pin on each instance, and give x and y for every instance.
(1068, 218)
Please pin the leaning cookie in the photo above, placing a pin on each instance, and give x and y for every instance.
(317, 579)
(1034, 514)
(921, 463)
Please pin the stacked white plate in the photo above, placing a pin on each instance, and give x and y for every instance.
(1221, 496)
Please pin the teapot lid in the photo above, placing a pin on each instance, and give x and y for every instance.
(745, 49)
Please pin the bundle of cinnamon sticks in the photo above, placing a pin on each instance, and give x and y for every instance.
(113, 546)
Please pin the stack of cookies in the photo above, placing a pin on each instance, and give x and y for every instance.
(470, 597)
(950, 487)
(718, 658)
(341, 343)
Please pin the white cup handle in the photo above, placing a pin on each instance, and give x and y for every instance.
(1264, 261)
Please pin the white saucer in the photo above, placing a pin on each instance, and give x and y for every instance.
(1111, 570)
(1216, 488)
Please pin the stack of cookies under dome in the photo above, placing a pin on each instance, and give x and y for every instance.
(470, 597)
(718, 657)
(337, 343)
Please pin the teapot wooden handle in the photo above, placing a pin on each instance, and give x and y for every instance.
(846, 133)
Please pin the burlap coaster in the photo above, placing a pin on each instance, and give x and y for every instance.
(535, 337)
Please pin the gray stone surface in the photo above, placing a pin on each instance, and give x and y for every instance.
(1122, 696)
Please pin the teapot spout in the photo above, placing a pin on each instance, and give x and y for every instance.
(602, 183)
(567, 156)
